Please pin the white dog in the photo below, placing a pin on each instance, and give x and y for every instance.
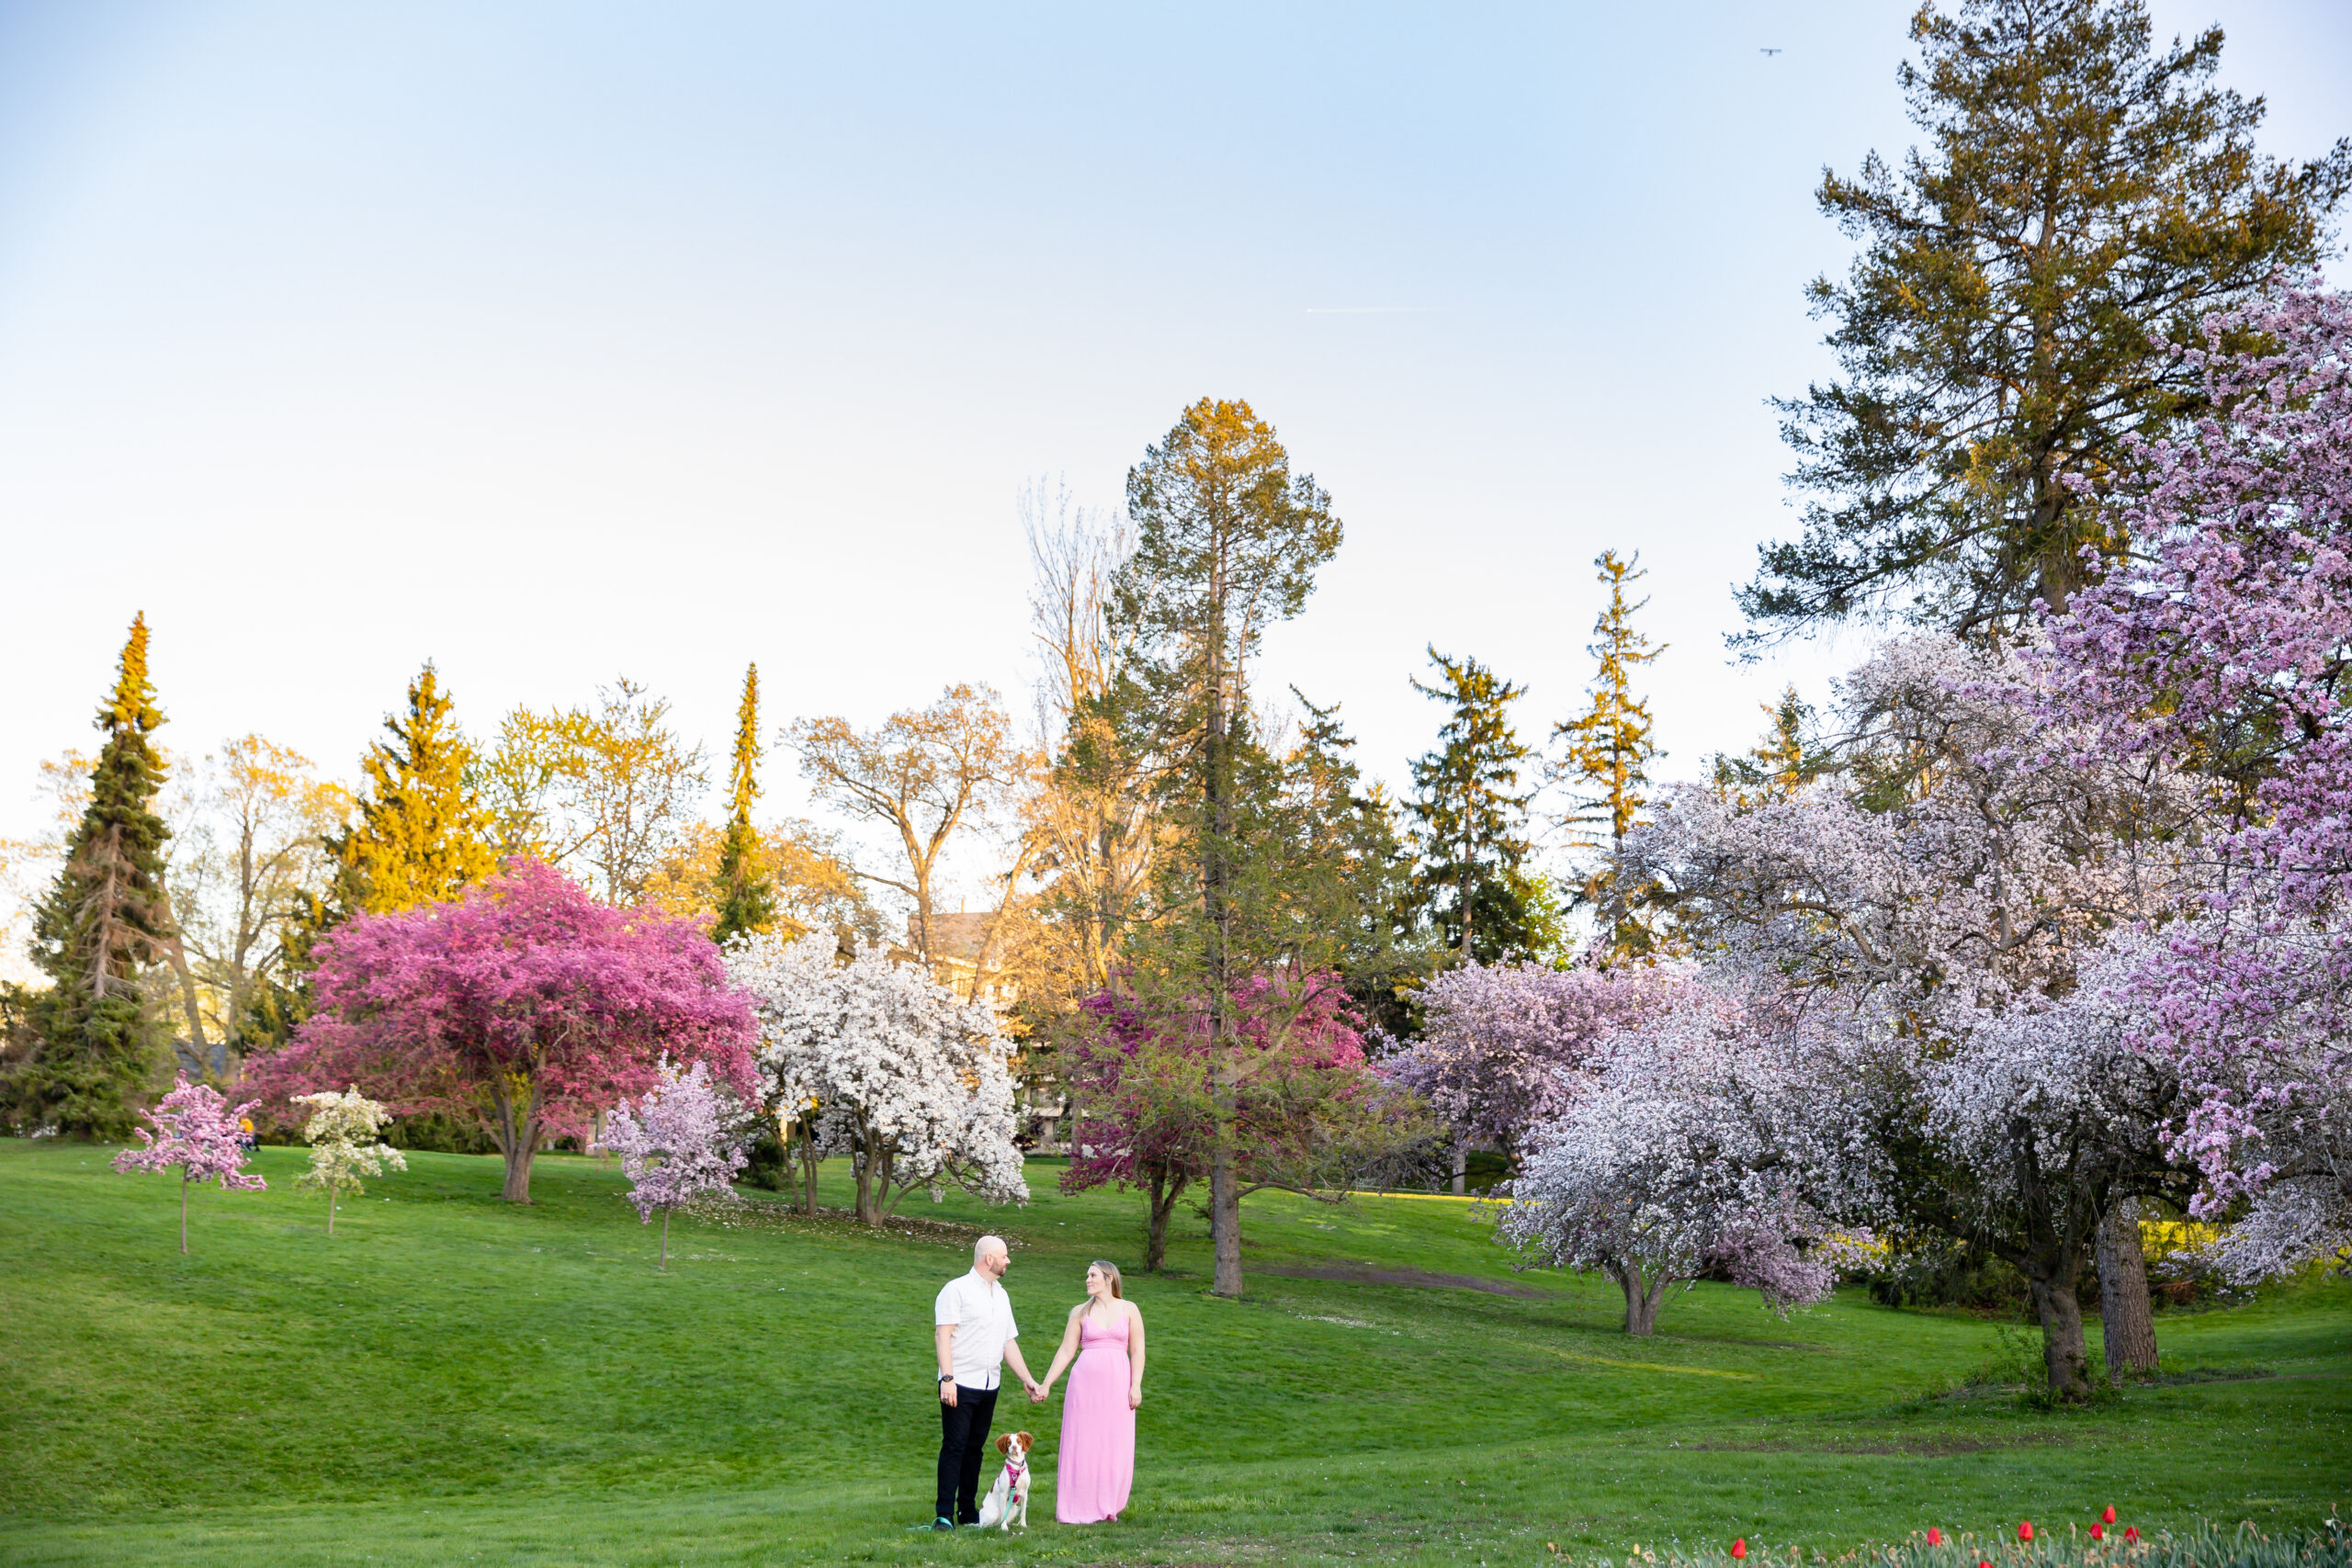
(1010, 1495)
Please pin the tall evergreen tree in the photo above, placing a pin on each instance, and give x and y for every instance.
(1470, 817)
(2081, 194)
(746, 897)
(423, 835)
(1349, 833)
(103, 925)
(1227, 541)
(1609, 752)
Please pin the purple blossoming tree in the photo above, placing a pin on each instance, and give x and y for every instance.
(2228, 650)
(677, 1142)
(195, 1129)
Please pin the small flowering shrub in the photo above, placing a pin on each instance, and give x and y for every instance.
(341, 1134)
(677, 1144)
(195, 1129)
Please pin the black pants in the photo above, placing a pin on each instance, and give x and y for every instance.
(962, 1444)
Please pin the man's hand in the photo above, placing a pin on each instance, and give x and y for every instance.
(947, 1393)
(1038, 1393)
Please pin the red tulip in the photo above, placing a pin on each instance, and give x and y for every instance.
(1935, 1536)
(1739, 1548)
(2025, 1529)
(2109, 1516)
(2130, 1532)
(1985, 1565)
(2099, 1532)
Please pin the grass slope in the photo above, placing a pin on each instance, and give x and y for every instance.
(454, 1379)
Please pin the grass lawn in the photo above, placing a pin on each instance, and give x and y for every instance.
(453, 1379)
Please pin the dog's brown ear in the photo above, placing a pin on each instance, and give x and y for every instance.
(1026, 1442)
(1003, 1442)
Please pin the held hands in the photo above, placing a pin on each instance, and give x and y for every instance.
(1038, 1390)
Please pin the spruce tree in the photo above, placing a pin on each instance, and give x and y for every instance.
(1607, 763)
(423, 835)
(2081, 195)
(746, 896)
(1472, 819)
(103, 925)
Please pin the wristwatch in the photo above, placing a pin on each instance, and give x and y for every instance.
(947, 1377)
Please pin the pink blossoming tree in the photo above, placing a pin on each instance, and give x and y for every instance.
(1505, 1049)
(195, 1129)
(2227, 649)
(524, 1006)
(681, 1140)
(1674, 1158)
(1928, 940)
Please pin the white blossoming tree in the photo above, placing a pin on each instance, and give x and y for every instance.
(887, 1065)
(1673, 1158)
(344, 1147)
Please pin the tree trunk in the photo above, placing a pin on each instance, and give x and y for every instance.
(808, 1165)
(329, 1208)
(665, 1239)
(2126, 1326)
(1224, 1208)
(1164, 1190)
(183, 1211)
(2063, 1351)
(518, 1168)
(517, 1136)
(1642, 1298)
(1461, 1169)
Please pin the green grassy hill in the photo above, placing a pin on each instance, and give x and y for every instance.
(454, 1379)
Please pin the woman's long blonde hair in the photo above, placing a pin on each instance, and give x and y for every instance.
(1109, 1272)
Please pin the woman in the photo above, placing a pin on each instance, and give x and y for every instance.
(1097, 1464)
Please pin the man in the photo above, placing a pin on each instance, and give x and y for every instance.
(976, 1337)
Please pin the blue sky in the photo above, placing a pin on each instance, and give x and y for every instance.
(557, 342)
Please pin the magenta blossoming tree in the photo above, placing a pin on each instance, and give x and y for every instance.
(2225, 650)
(679, 1141)
(524, 1006)
(195, 1129)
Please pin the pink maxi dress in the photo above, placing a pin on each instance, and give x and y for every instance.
(1097, 1462)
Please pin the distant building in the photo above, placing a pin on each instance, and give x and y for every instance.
(955, 941)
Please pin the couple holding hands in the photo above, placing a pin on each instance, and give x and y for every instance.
(1096, 1464)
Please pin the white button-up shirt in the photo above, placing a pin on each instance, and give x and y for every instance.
(982, 1315)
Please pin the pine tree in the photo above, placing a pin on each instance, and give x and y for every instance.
(1487, 906)
(746, 897)
(103, 925)
(1227, 541)
(2080, 196)
(1607, 763)
(423, 834)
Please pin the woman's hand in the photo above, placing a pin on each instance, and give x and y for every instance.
(1134, 1397)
